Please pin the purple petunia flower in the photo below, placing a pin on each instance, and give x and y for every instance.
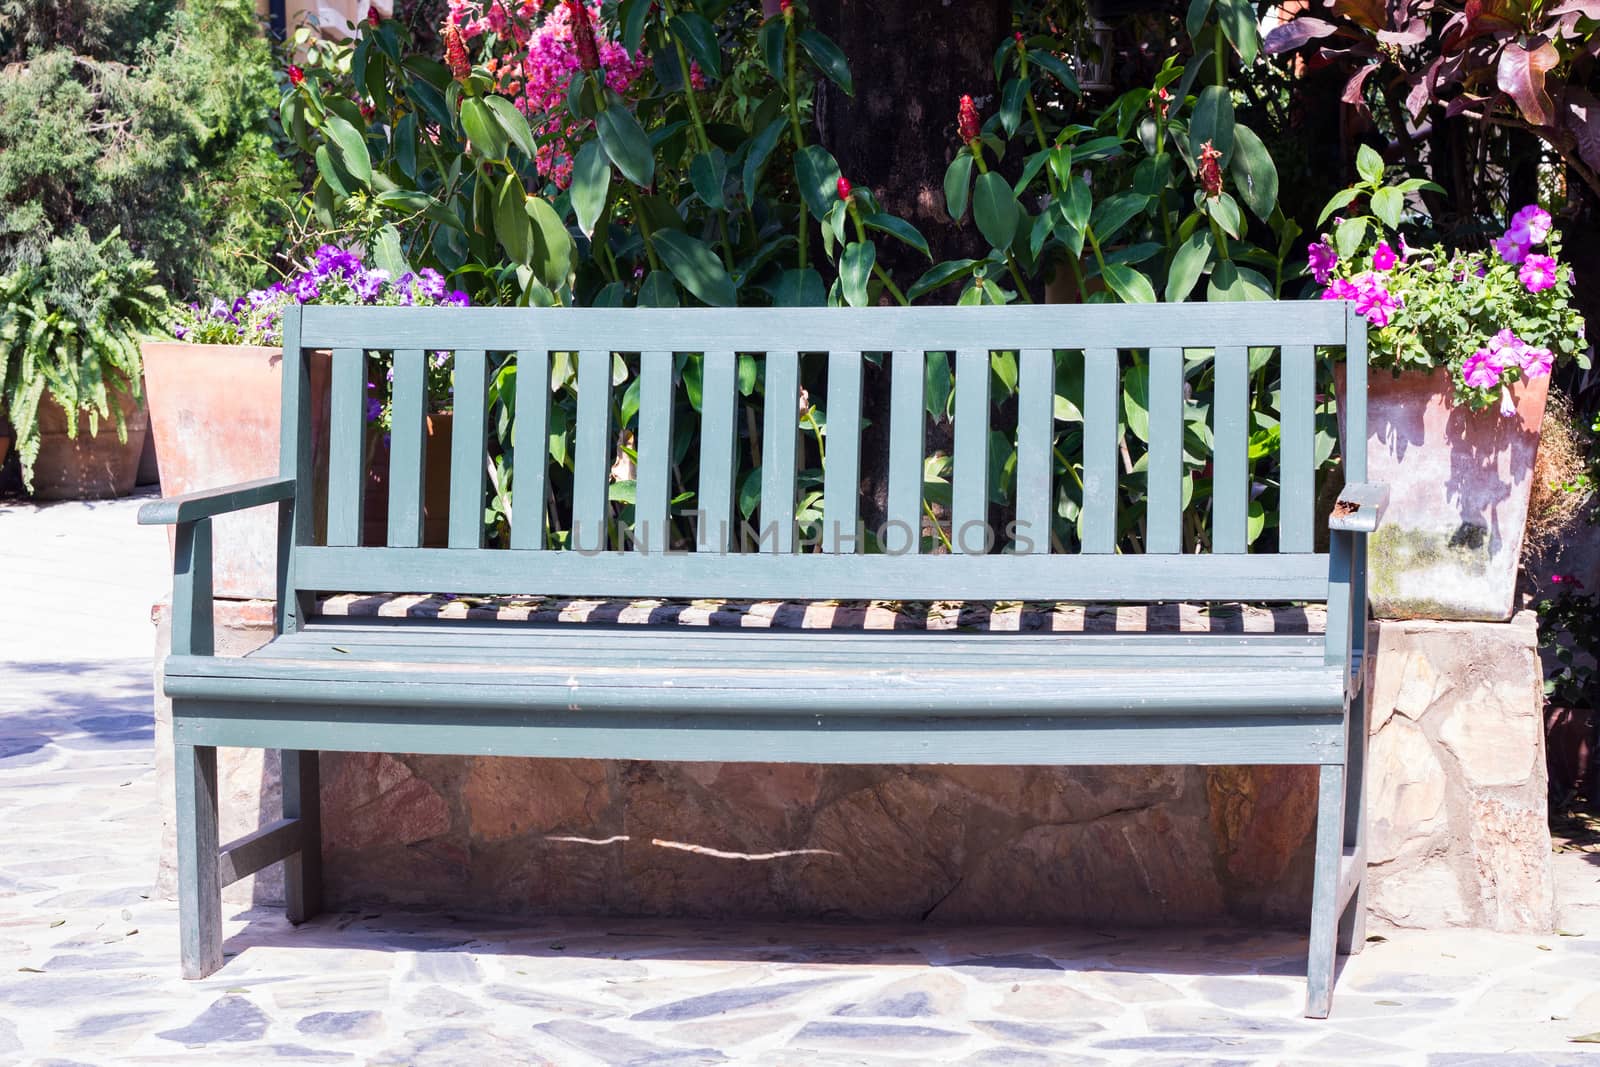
(305, 287)
(331, 259)
(432, 284)
(368, 284)
(1323, 258)
(1538, 273)
(374, 409)
(458, 299)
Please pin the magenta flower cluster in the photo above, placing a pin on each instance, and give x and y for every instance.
(533, 55)
(1505, 351)
(1368, 289)
(1529, 228)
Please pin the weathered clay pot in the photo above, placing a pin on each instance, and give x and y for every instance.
(90, 466)
(1451, 539)
(215, 413)
(435, 486)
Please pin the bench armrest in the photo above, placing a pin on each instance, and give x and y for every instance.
(191, 507)
(1359, 507)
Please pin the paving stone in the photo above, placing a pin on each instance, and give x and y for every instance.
(1191, 1043)
(1242, 992)
(9, 1041)
(341, 1024)
(888, 1038)
(302, 1054)
(726, 1000)
(923, 996)
(454, 968)
(1034, 1034)
(620, 1050)
(1018, 967)
(437, 1002)
(233, 1018)
(95, 1025)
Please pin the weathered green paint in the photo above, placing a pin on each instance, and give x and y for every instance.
(629, 692)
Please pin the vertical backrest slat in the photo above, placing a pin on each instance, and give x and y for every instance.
(1164, 468)
(1230, 460)
(1036, 396)
(903, 532)
(294, 461)
(1101, 398)
(1355, 398)
(780, 434)
(347, 432)
(841, 476)
(969, 495)
(652, 497)
(592, 452)
(468, 448)
(407, 448)
(1297, 455)
(530, 441)
(719, 438)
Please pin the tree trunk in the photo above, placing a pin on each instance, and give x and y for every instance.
(911, 63)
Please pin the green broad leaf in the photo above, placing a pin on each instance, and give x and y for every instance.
(332, 175)
(626, 144)
(1387, 204)
(1188, 263)
(958, 184)
(512, 226)
(405, 199)
(1255, 522)
(1114, 212)
(1061, 162)
(1255, 176)
(995, 209)
(1238, 21)
(1134, 253)
(1225, 209)
(1231, 283)
(1337, 201)
(1043, 227)
(657, 291)
(489, 141)
(1136, 401)
(828, 58)
(748, 372)
(553, 260)
(817, 174)
(1080, 202)
(1412, 185)
(513, 123)
(940, 275)
(1369, 164)
(700, 38)
(696, 267)
(1011, 98)
(772, 39)
(1348, 235)
(708, 172)
(631, 15)
(755, 161)
(938, 384)
(1030, 170)
(750, 493)
(1055, 68)
(1195, 20)
(405, 145)
(855, 271)
(1212, 121)
(351, 148)
(1129, 284)
(799, 288)
(591, 182)
(899, 228)
(388, 252)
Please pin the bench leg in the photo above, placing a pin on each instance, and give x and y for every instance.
(1353, 921)
(1322, 955)
(199, 890)
(302, 800)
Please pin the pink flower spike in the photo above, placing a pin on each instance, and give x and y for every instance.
(1538, 273)
(1510, 249)
(1479, 371)
(1383, 257)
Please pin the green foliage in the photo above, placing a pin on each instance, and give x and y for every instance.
(69, 328)
(144, 117)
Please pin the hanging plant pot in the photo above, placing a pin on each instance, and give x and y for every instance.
(88, 465)
(1459, 481)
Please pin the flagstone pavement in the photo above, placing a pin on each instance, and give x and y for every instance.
(88, 952)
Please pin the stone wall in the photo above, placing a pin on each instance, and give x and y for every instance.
(1456, 822)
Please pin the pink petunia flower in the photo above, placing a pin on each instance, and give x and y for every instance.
(1374, 300)
(1538, 273)
(1341, 289)
(1537, 361)
(1511, 247)
(1479, 371)
(1505, 350)
(1323, 259)
(1534, 221)
(1383, 257)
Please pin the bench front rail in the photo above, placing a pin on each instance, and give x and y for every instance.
(664, 692)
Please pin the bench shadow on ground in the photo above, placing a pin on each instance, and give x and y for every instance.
(75, 705)
(986, 952)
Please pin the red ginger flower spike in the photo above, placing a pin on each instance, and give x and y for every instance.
(296, 75)
(967, 124)
(583, 42)
(1210, 171)
(455, 54)
(785, 6)
(845, 188)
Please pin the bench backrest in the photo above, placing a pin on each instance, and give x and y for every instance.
(1108, 339)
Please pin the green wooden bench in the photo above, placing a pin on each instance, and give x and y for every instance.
(649, 692)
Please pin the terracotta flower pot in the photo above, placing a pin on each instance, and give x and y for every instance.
(1459, 480)
(215, 414)
(90, 466)
(435, 486)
